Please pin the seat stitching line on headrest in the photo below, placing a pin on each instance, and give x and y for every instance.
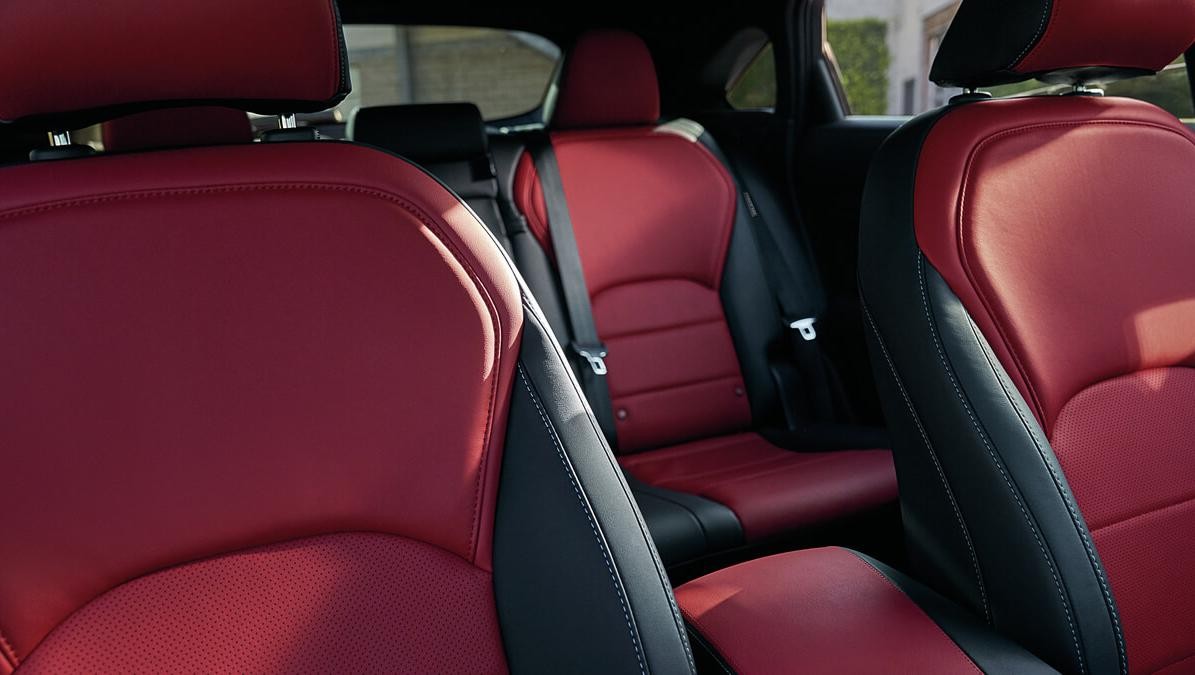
(1043, 30)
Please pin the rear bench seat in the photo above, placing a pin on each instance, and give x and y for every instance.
(679, 300)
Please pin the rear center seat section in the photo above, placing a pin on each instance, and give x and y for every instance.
(669, 260)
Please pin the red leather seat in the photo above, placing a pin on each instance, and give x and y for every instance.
(654, 213)
(281, 406)
(1027, 272)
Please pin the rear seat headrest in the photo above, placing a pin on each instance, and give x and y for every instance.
(993, 42)
(424, 133)
(177, 127)
(609, 80)
(69, 64)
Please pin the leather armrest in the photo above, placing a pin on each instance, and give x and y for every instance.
(835, 610)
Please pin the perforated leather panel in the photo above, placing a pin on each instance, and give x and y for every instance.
(337, 603)
(1126, 447)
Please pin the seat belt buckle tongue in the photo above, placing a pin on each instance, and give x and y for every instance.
(595, 355)
(805, 328)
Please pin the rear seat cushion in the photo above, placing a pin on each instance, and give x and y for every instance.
(653, 213)
(177, 127)
(770, 489)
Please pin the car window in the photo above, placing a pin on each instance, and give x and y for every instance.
(755, 87)
(883, 50)
(505, 73)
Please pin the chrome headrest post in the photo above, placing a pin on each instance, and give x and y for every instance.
(60, 138)
(287, 121)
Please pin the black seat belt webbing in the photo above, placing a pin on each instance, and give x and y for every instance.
(586, 345)
(798, 311)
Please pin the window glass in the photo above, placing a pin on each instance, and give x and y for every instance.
(756, 86)
(883, 50)
(505, 73)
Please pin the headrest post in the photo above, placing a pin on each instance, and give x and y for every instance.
(1084, 89)
(60, 138)
(287, 121)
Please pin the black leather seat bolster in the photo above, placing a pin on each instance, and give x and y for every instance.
(567, 527)
(956, 421)
(684, 526)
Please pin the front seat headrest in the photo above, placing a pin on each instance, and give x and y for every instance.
(993, 42)
(72, 64)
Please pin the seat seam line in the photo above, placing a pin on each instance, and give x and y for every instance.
(1072, 510)
(920, 262)
(958, 514)
(619, 592)
(662, 576)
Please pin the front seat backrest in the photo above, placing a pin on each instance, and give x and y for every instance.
(281, 406)
(1026, 269)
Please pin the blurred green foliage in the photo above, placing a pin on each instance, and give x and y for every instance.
(756, 87)
(861, 49)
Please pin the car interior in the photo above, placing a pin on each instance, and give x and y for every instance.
(777, 336)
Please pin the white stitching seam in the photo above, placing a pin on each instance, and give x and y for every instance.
(618, 591)
(958, 514)
(1045, 16)
(999, 465)
(663, 576)
(1072, 509)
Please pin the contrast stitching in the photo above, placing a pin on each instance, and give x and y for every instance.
(606, 558)
(964, 261)
(662, 576)
(1045, 15)
(898, 589)
(1076, 519)
(998, 464)
(392, 198)
(8, 652)
(958, 514)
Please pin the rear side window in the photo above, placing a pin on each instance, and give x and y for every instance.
(755, 88)
(883, 50)
(505, 73)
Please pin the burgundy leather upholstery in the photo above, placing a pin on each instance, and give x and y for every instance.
(143, 59)
(1025, 265)
(261, 415)
(96, 403)
(177, 127)
(652, 212)
(992, 42)
(609, 81)
(1083, 33)
(1100, 343)
(771, 490)
(818, 610)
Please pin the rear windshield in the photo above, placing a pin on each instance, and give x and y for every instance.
(505, 73)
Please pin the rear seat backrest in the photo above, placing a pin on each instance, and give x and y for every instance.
(653, 213)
